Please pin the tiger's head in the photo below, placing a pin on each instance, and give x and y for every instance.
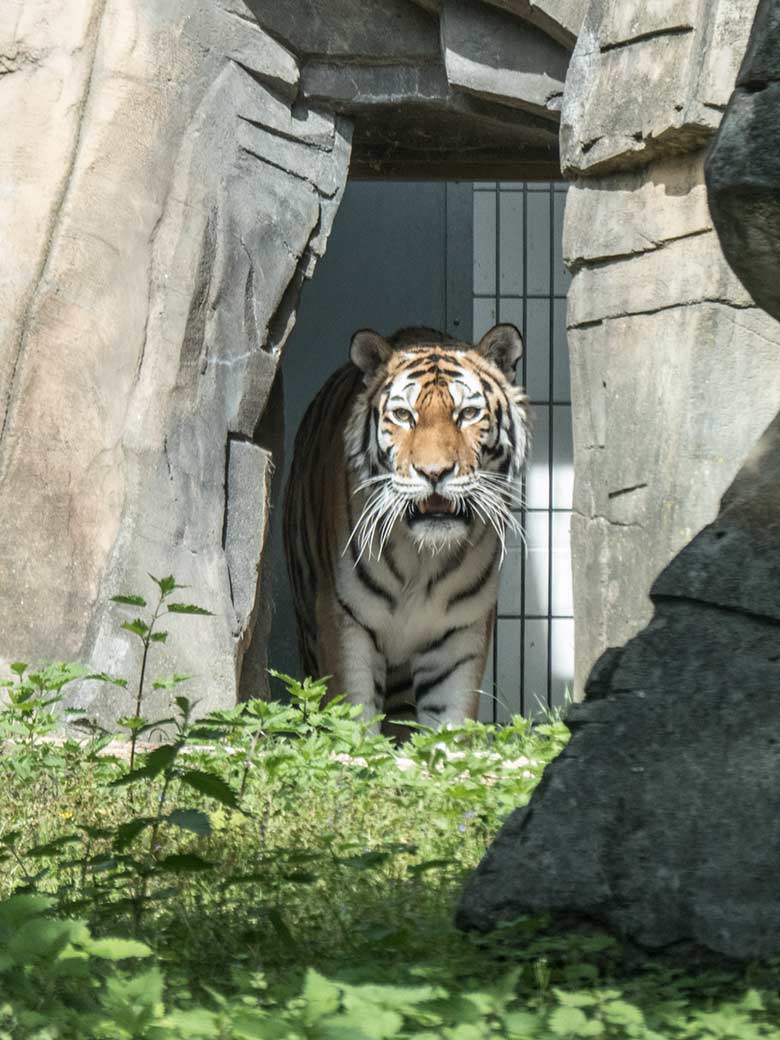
(438, 435)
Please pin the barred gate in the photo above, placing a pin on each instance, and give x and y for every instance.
(460, 256)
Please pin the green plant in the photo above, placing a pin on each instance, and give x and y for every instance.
(148, 633)
(282, 872)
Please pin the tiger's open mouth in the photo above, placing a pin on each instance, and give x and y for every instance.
(436, 507)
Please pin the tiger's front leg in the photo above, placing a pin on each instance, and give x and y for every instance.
(448, 676)
(348, 653)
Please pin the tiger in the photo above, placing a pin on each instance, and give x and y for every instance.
(404, 477)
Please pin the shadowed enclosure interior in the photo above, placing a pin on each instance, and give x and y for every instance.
(459, 257)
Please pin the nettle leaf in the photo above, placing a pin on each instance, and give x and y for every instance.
(188, 608)
(184, 863)
(156, 761)
(105, 677)
(131, 601)
(166, 585)
(158, 637)
(569, 1021)
(116, 949)
(167, 684)
(211, 785)
(190, 820)
(137, 626)
(322, 997)
(126, 833)
(19, 668)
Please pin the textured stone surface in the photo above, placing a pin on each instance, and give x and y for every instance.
(661, 433)
(676, 375)
(659, 818)
(684, 271)
(150, 321)
(666, 202)
(373, 30)
(648, 821)
(560, 19)
(680, 60)
(492, 54)
(743, 173)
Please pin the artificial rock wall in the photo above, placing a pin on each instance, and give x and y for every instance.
(169, 175)
(674, 369)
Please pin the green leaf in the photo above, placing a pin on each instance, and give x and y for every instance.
(166, 585)
(322, 997)
(116, 949)
(190, 820)
(569, 1021)
(211, 785)
(156, 761)
(167, 684)
(188, 608)
(577, 999)
(184, 863)
(126, 833)
(105, 677)
(131, 601)
(19, 668)
(158, 637)
(137, 626)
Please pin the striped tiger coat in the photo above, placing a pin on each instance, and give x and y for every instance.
(404, 472)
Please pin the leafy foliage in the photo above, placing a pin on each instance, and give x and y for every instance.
(276, 870)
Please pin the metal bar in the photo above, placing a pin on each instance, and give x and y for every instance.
(550, 441)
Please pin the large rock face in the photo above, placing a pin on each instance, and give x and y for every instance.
(674, 369)
(170, 173)
(660, 817)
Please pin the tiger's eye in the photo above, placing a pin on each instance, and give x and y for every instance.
(401, 415)
(469, 413)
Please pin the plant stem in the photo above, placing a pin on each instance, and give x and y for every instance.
(140, 694)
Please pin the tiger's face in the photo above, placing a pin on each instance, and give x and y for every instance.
(438, 436)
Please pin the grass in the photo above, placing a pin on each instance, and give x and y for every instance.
(276, 871)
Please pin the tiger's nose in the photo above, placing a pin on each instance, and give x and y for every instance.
(436, 471)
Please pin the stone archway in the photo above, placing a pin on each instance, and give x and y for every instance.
(171, 176)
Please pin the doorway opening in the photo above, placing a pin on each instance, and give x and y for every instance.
(459, 256)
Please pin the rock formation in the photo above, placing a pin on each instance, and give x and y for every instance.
(170, 175)
(660, 817)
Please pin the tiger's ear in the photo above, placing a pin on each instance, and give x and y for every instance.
(368, 351)
(503, 346)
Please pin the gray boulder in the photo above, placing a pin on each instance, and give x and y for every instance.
(660, 817)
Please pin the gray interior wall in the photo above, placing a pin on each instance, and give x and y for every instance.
(400, 254)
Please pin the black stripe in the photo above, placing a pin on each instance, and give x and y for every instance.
(399, 709)
(477, 586)
(366, 433)
(365, 578)
(436, 709)
(360, 624)
(438, 643)
(425, 688)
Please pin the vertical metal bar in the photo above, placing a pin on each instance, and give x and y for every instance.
(551, 429)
